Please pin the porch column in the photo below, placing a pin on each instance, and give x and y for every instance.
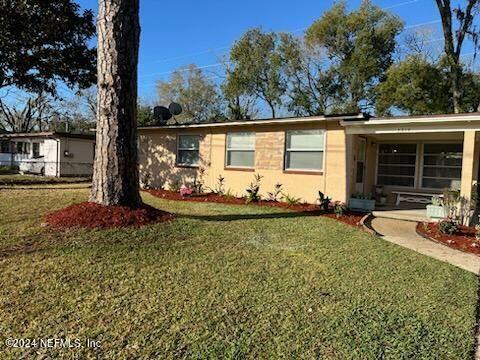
(469, 163)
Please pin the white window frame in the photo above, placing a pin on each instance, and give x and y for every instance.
(179, 164)
(227, 149)
(288, 150)
(418, 182)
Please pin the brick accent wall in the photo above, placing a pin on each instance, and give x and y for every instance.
(269, 147)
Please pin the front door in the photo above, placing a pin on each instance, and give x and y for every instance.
(360, 167)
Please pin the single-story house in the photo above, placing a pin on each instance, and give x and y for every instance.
(48, 153)
(338, 155)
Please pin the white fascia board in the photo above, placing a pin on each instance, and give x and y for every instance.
(412, 128)
(257, 122)
(414, 120)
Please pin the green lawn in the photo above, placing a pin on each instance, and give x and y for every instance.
(224, 282)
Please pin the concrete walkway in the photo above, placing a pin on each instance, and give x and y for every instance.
(403, 233)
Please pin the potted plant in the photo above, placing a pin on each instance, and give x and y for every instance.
(361, 202)
(436, 210)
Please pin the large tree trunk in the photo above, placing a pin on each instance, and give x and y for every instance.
(115, 174)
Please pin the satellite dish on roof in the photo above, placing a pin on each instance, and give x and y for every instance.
(161, 114)
(175, 108)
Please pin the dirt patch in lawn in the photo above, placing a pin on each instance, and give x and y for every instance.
(349, 217)
(463, 240)
(95, 216)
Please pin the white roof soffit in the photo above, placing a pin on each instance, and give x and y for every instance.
(405, 125)
(257, 122)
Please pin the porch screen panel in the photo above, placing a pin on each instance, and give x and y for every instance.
(442, 166)
(396, 164)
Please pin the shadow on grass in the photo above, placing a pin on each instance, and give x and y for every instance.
(236, 217)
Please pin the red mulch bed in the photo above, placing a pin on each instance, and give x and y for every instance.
(463, 240)
(349, 217)
(95, 216)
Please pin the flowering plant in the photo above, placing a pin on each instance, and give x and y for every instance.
(186, 191)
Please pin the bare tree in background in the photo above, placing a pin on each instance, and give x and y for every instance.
(115, 176)
(32, 115)
(454, 40)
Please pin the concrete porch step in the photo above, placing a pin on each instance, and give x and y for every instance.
(416, 215)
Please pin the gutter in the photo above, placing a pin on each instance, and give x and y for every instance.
(256, 122)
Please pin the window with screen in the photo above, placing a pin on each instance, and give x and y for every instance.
(241, 150)
(442, 166)
(188, 150)
(304, 150)
(396, 164)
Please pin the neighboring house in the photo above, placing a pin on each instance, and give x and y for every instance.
(48, 153)
(338, 155)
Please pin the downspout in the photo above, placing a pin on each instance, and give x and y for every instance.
(57, 165)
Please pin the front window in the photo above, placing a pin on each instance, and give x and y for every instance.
(188, 150)
(396, 164)
(241, 150)
(442, 166)
(36, 149)
(4, 146)
(304, 150)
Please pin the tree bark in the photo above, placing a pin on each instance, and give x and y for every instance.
(452, 50)
(115, 173)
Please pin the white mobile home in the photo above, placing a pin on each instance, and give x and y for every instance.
(48, 153)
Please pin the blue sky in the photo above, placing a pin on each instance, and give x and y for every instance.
(181, 32)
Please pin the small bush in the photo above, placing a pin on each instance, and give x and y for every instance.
(339, 208)
(253, 190)
(198, 181)
(437, 201)
(448, 226)
(276, 194)
(291, 200)
(220, 186)
(324, 201)
(175, 186)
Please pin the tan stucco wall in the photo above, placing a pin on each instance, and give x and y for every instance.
(158, 152)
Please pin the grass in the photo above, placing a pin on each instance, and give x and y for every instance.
(18, 179)
(224, 281)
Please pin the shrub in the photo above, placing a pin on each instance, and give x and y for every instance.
(451, 200)
(448, 226)
(339, 208)
(437, 201)
(220, 186)
(198, 181)
(229, 194)
(186, 191)
(324, 201)
(276, 194)
(146, 180)
(174, 186)
(291, 200)
(254, 189)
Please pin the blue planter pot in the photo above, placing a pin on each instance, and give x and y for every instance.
(436, 212)
(361, 204)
